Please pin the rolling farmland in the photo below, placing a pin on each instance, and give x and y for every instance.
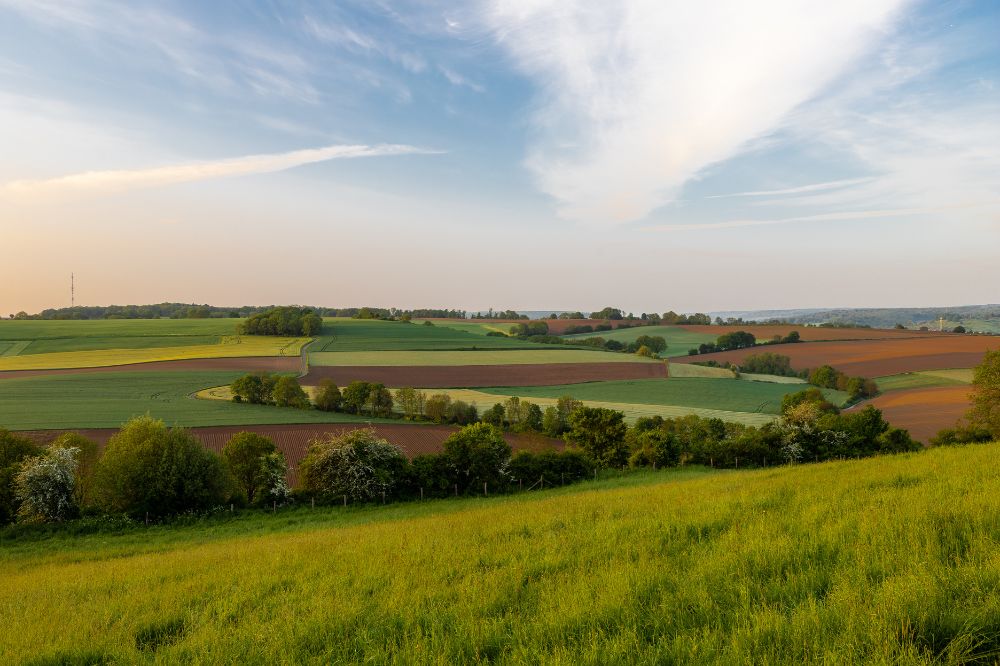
(484, 357)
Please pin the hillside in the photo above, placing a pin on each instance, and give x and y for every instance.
(887, 560)
(978, 318)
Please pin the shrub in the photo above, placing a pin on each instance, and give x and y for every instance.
(656, 343)
(147, 467)
(554, 467)
(244, 454)
(14, 449)
(328, 397)
(87, 458)
(653, 447)
(768, 364)
(478, 454)
(45, 486)
(494, 415)
(288, 393)
(462, 413)
(358, 464)
(582, 328)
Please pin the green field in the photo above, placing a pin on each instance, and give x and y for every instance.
(892, 560)
(538, 355)
(109, 328)
(108, 399)
(476, 328)
(679, 341)
(725, 394)
(375, 335)
(924, 379)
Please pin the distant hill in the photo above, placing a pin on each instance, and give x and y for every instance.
(977, 318)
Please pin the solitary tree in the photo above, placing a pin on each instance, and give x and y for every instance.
(244, 453)
(358, 464)
(328, 397)
(601, 433)
(985, 412)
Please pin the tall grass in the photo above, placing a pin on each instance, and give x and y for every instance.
(885, 560)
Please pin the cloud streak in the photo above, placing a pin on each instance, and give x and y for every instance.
(639, 97)
(127, 179)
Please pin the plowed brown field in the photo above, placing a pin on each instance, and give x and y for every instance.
(242, 364)
(293, 440)
(873, 358)
(924, 411)
(816, 333)
(470, 376)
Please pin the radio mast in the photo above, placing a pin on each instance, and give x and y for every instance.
(72, 291)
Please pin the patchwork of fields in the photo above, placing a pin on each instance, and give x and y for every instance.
(71, 374)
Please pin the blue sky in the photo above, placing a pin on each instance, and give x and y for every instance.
(528, 154)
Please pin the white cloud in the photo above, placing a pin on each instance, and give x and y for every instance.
(636, 98)
(456, 79)
(126, 179)
(802, 189)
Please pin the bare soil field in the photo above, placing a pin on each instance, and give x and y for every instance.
(240, 364)
(924, 411)
(293, 440)
(873, 358)
(469, 376)
(816, 333)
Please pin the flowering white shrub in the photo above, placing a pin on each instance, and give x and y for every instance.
(46, 483)
(358, 464)
(274, 470)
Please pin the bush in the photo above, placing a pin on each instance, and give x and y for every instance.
(494, 416)
(478, 454)
(358, 464)
(87, 458)
(45, 486)
(554, 467)
(582, 328)
(462, 413)
(14, 449)
(328, 397)
(147, 467)
(411, 402)
(436, 407)
(288, 393)
(653, 447)
(768, 364)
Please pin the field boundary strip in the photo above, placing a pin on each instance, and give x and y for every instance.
(465, 358)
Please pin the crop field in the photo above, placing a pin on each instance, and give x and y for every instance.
(469, 326)
(29, 329)
(107, 399)
(679, 340)
(815, 333)
(353, 335)
(790, 565)
(925, 411)
(928, 378)
(482, 357)
(247, 345)
(723, 394)
(874, 358)
(632, 411)
(457, 376)
(243, 364)
(692, 370)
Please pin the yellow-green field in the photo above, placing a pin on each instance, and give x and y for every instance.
(632, 411)
(891, 560)
(692, 370)
(230, 347)
(479, 357)
(925, 379)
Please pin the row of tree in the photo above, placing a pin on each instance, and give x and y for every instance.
(146, 469)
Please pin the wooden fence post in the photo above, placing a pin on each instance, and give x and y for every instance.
(345, 500)
(485, 492)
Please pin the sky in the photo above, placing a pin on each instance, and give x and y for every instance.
(529, 154)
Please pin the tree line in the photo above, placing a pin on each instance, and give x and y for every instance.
(285, 320)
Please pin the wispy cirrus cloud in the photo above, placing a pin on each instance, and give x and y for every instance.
(636, 98)
(127, 179)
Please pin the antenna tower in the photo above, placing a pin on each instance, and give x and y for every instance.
(72, 290)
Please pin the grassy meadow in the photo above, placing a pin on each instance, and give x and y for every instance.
(925, 379)
(108, 399)
(723, 394)
(885, 560)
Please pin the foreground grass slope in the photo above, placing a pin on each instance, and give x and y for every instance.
(888, 560)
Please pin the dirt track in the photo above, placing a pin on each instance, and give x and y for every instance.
(239, 364)
(873, 358)
(470, 376)
(924, 411)
(293, 440)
